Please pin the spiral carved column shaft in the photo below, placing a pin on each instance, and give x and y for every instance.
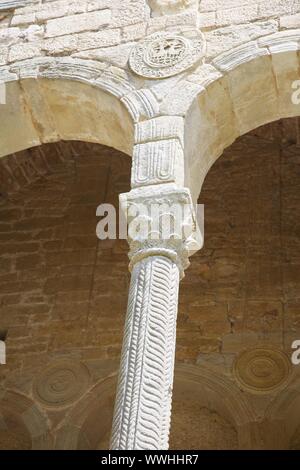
(143, 402)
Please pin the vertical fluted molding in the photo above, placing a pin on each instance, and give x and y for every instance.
(143, 401)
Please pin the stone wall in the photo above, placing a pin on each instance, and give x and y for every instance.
(106, 30)
(56, 276)
(63, 293)
(246, 275)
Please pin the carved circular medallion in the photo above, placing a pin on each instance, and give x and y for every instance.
(262, 370)
(164, 54)
(61, 383)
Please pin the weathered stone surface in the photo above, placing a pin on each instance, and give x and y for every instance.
(232, 297)
(290, 21)
(75, 24)
(3, 55)
(157, 162)
(62, 291)
(224, 39)
(23, 51)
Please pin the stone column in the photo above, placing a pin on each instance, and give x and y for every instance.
(157, 262)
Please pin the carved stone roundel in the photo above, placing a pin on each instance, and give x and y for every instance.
(165, 52)
(262, 370)
(61, 383)
(162, 55)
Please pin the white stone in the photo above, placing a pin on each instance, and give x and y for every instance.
(33, 33)
(8, 4)
(254, 94)
(157, 162)
(74, 83)
(60, 45)
(28, 18)
(9, 36)
(165, 54)
(162, 7)
(93, 5)
(278, 7)
(24, 51)
(98, 39)
(207, 20)
(179, 103)
(133, 32)
(78, 23)
(213, 5)
(129, 12)
(153, 299)
(155, 25)
(290, 21)
(141, 103)
(117, 56)
(189, 18)
(224, 39)
(288, 40)
(160, 128)
(59, 8)
(204, 75)
(15, 123)
(40, 111)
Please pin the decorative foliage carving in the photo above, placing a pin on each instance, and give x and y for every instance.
(165, 54)
(143, 402)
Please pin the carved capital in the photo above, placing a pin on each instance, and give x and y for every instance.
(161, 222)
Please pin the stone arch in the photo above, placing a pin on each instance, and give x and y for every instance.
(52, 99)
(89, 423)
(242, 89)
(220, 395)
(282, 417)
(30, 426)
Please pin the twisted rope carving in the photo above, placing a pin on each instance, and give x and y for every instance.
(126, 373)
(143, 402)
(170, 359)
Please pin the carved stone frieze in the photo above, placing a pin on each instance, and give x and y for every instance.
(164, 54)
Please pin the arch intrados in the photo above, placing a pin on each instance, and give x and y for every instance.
(62, 100)
(251, 87)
